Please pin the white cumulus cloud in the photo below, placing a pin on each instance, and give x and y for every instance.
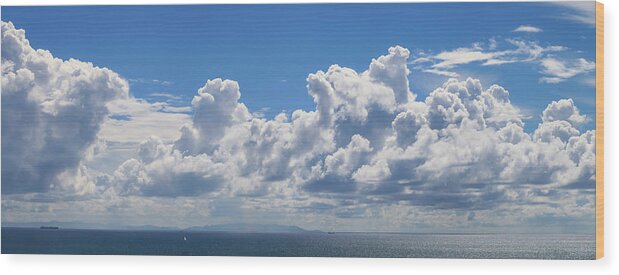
(52, 111)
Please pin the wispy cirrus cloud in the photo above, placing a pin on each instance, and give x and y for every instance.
(460, 56)
(553, 67)
(150, 81)
(558, 70)
(166, 95)
(515, 51)
(579, 11)
(442, 72)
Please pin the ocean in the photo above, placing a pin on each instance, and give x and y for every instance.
(375, 245)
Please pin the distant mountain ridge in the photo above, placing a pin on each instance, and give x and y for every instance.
(251, 228)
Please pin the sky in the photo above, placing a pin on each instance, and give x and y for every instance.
(455, 117)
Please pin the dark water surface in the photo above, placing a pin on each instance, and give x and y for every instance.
(75, 241)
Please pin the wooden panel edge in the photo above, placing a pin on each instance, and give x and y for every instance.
(599, 130)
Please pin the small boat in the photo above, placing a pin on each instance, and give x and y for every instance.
(184, 238)
(330, 232)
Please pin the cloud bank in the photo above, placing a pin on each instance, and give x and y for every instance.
(464, 146)
(369, 148)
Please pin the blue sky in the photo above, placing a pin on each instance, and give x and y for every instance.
(270, 49)
(355, 117)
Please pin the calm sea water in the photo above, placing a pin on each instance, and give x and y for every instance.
(70, 241)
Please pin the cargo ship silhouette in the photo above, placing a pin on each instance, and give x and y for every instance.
(49, 227)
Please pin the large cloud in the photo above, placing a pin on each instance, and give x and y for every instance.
(292, 151)
(52, 110)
